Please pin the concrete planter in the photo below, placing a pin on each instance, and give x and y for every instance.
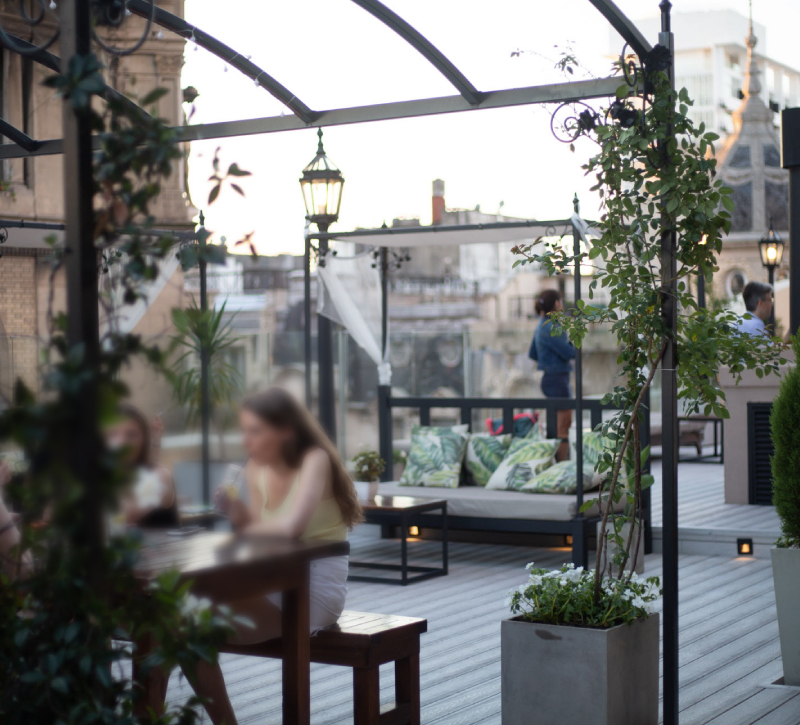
(786, 573)
(366, 490)
(554, 675)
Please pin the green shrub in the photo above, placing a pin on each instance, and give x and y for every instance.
(785, 422)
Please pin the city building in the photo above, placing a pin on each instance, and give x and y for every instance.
(711, 62)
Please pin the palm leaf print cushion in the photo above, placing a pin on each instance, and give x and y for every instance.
(524, 460)
(484, 454)
(435, 460)
(559, 478)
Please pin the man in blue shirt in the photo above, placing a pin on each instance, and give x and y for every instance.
(758, 303)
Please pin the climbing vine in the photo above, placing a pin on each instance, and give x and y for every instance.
(65, 642)
(654, 174)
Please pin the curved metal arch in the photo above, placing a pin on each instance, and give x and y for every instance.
(179, 26)
(620, 22)
(53, 62)
(429, 51)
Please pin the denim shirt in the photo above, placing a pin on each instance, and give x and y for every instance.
(553, 353)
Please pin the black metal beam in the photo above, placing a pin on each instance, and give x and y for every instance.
(20, 138)
(552, 93)
(53, 62)
(325, 385)
(790, 159)
(669, 424)
(420, 43)
(178, 25)
(620, 22)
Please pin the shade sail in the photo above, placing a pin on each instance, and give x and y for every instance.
(440, 236)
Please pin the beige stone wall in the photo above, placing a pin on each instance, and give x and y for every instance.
(18, 313)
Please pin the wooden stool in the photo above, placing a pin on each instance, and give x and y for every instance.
(364, 642)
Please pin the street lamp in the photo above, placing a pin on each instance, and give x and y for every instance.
(771, 249)
(322, 185)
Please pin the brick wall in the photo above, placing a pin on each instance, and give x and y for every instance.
(18, 307)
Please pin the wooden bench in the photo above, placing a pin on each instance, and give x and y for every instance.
(364, 642)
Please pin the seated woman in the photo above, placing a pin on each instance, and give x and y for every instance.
(298, 488)
(151, 501)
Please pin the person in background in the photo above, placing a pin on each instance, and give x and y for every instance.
(553, 353)
(758, 303)
(151, 501)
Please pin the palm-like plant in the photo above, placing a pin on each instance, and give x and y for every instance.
(207, 330)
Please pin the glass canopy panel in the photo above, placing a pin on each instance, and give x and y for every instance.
(329, 53)
(515, 43)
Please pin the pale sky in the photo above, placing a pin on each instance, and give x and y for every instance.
(333, 54)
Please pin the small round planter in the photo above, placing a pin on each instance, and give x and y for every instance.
(554, 675)
(366, 490)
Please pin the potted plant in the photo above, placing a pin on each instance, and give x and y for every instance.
(785, 421)
(368, 467)
(606, 644)
(593, 630)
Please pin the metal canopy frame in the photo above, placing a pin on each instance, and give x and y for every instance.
(76, 38)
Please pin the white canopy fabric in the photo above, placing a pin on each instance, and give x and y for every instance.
(499, 232)
(350, 295)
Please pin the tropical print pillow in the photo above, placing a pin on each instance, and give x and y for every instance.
(594, 442)
(535, 433)
(437, 430)
(435, 460)
(484, 454)
(559, 478)
(524, 460)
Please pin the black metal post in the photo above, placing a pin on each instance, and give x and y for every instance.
(790, 159)
(701, 290)
(669, 424)
(384, 391)
(205, 365)
(771, 280)
(327, 401)
(80, 262)
(307, 319)
(576, 251)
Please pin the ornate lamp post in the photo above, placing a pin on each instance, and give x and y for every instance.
(322, 185)
(771, 249)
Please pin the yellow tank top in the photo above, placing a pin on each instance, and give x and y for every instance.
(326, 521)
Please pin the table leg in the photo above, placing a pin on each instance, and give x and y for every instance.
(296, 638)
(444, 537)
(404, 549)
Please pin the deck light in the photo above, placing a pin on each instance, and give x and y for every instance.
(744, 547)
(413, 530)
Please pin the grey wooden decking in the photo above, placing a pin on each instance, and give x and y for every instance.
(729, 651)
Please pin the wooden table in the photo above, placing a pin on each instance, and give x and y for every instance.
(225, 567)
(402, 511)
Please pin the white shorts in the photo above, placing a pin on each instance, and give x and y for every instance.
(327, 591)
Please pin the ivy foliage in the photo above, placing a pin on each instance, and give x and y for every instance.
(655, 177)
(67, 624)
(785, 422)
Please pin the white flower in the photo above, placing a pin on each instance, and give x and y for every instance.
(147, 489)
(536, 580)
(529, 566)
(563, 582)
(638, 602)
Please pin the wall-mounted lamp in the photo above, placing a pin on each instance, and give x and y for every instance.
(744, 547)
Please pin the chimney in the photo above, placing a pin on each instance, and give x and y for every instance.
(437, 201)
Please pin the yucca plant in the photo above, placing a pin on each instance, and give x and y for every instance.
(199, 329)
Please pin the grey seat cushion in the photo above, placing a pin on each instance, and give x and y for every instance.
(475, 501)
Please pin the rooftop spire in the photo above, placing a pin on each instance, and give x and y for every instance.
(752, 84)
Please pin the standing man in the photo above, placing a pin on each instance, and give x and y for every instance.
(758, 303)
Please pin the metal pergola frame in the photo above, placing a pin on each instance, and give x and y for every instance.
(78, 143)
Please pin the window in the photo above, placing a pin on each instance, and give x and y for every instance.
(732, 61)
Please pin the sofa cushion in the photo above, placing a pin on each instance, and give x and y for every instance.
(435, 460)
(480, 502)
(484, 454)
(525, 459)
(559, 478)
